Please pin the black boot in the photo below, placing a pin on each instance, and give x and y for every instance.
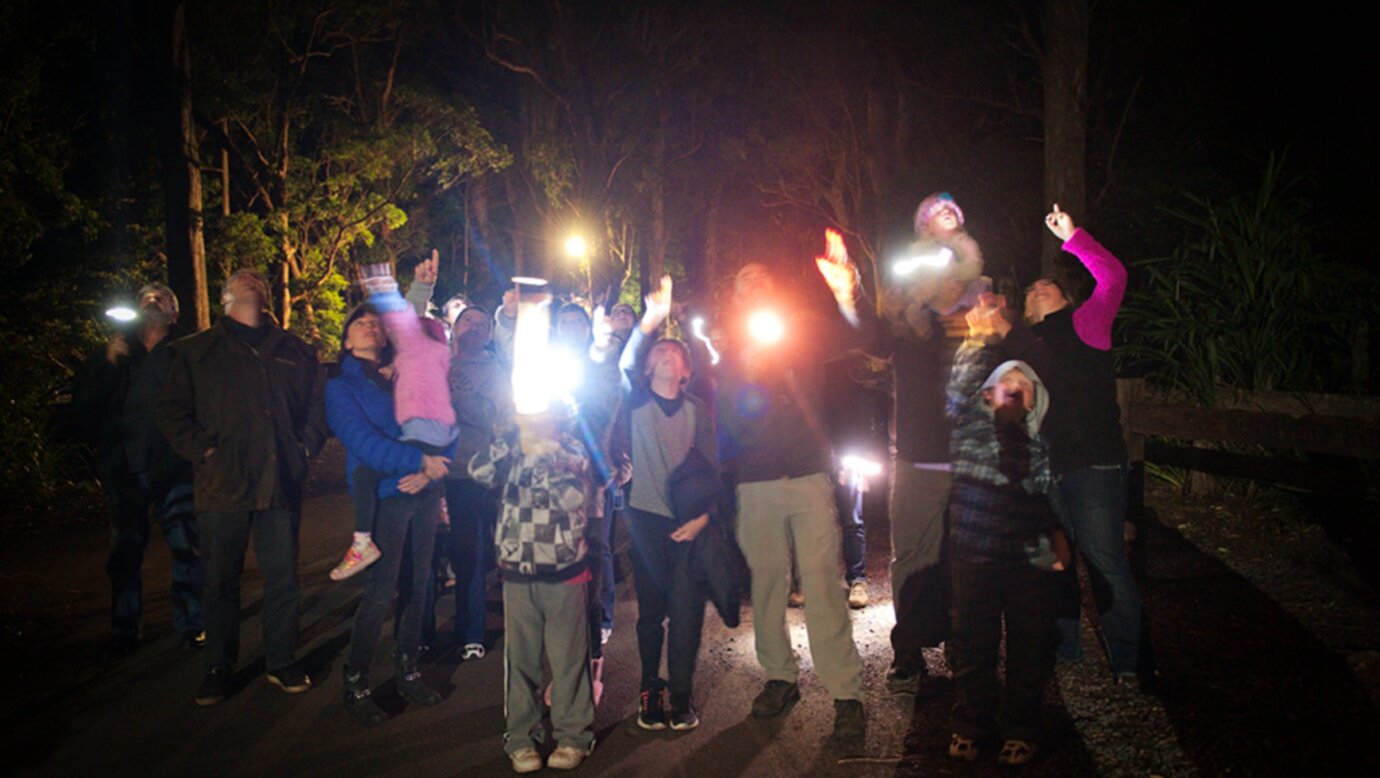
(410, 684)
(357, 699)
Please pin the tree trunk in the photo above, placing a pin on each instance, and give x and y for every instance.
(1066, 116)
(186, 248)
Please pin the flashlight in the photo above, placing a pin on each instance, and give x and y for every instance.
(932, 260)
(530, 358)
(858, 469)
(697, 328)
(766, 327)
(122, 314)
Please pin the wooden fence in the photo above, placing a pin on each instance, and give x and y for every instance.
(1337, 427)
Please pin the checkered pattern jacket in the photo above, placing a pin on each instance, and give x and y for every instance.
(541, 530)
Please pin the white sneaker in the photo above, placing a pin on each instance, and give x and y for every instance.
(604, 634)
(857, 595)
(526, 760)
(568, 757)
(472, 651)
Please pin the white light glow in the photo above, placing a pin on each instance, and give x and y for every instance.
(766, 327)
(862, 466)
(122, 313)
(932, 261)
(697, 328)
(576, 247)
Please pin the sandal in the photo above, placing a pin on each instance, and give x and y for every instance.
(963, 748)
(1015, 753)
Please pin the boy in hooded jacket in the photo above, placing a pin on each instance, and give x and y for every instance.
(1005, 545)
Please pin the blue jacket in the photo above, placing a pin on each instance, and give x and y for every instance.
(361, 415)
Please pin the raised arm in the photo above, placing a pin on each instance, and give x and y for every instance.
(423, 283)
(1093, 319)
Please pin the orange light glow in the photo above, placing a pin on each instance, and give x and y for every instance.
(766, 327)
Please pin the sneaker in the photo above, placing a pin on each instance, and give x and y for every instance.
(526, 760)
(193, 640)
(962, 748)
(356, 559)
(857, 594)
(567, 757)
(214, 687)
(1016, 753)
(850, 721)
(796, 600)
(774, 699)
(604, 634)
(901, 680)
(472, 651)
(683, 716)
(652, 713)
(290, 679)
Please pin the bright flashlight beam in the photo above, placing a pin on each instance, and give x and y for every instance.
(863, 466)
(697, 328)
(766, 327)
(122, 313)
(935, 260)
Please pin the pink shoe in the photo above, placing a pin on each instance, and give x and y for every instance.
(355, 560)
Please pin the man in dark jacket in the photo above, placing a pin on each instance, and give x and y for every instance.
(770, 407)
(244, 403)
(116, 389)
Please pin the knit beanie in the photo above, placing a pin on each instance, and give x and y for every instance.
(931, 206)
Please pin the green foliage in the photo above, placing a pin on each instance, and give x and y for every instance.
(1245, 301)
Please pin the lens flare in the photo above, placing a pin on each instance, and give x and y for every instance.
(766, 327)
(122, 313)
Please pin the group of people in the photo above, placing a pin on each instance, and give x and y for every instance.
(1007, 455)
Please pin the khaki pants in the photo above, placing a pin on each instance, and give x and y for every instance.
(552, 616)
(775, 517)
(919, 577)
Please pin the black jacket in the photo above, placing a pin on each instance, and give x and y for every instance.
(117, 403)
(262, 409)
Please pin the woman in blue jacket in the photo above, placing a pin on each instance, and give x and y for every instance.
(359, 407)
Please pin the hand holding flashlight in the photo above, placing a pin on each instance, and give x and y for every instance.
(117, 349)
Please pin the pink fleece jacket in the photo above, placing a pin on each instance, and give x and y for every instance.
(422, 390)
(1093, 319)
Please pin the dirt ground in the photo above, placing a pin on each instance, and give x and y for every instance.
(1266, 637)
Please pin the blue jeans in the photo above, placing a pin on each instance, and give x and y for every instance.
(850, 505)
(473, 512)
(1091, 503)
(171, 503)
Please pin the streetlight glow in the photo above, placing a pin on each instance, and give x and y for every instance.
(576, 247)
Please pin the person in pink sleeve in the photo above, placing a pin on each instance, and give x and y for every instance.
(421, 399)
(1087, 450)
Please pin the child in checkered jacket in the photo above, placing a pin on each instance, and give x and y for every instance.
(543, 472)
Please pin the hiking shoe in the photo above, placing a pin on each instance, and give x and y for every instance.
(857, 594)
(359, 702)
(1016, 753)
(356, 559)
(796, 600)
(472, 651)
(651, 715)
(962, 748)
(850, 721)
(526, 760)
(567, 757)
(193, 640)
(290, 679)
(410, 685)
(902, 680)
(120, 647)
(774, 699)
(214, 687)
